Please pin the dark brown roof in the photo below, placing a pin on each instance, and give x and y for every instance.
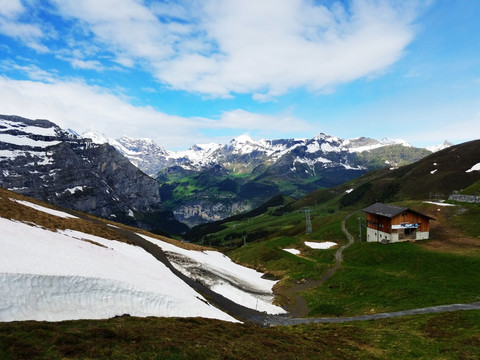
(390, 211)
(385, 210)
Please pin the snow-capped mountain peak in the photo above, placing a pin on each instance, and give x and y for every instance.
(244, 144)
(96, 137)
(243, 139)
(387, 141)
(435, 148)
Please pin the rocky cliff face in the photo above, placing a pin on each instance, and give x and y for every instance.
(39, 159)
(198, 211)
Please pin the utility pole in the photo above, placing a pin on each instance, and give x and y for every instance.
(244, 236)
(360, 226)
(308, 222)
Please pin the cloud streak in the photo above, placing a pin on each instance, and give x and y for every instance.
(77, 105)
(219, 48)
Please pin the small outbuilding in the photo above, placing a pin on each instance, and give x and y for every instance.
(388, 223)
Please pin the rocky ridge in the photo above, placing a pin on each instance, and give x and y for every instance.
(39, 159)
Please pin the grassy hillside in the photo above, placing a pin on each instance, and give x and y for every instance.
(433, 177)
(439, 336)
(373, 277)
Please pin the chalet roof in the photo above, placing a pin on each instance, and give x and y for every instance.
(389, 211)
(385, 210)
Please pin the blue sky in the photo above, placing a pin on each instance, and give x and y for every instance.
(184, 72)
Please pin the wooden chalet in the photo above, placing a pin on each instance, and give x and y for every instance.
(388, 223)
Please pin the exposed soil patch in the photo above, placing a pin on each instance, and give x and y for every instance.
(445, 237)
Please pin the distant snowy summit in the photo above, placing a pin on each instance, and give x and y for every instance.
(144, 153)
(325, 149)
(435, 148)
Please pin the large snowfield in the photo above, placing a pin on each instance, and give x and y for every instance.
(52, 276)
(64, 275)
(67, 274)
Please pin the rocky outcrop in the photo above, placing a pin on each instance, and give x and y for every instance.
(39, 159)
(207, 210)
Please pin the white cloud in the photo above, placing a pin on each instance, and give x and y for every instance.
(267, 48)
(32, 71)
(126, 28)
(259, 123)
(11, 8)
(10, 25)
(77, 105)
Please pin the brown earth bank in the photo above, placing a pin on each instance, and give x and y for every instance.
(444, 236)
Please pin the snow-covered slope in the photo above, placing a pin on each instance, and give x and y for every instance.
(69, 274)
(242, 285)
(144, 153)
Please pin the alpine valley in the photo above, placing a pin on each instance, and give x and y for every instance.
(209, 182)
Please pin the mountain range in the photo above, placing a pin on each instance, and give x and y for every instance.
(244, 154)
(212, 181)
(205, 183)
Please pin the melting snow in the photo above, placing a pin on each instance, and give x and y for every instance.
(54, 276)
(25, 141)
(74, 189)
(45, 209)
(240, 284)
(321, 245)
(329, 148)
(438, 203)
(12, 125)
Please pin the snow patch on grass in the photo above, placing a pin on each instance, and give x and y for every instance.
(292, 251)
(321, 245)
(475, 167)
(438, 203)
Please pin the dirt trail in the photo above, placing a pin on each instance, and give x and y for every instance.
(300, 308)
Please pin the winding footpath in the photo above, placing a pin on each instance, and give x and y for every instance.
(300, 308)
